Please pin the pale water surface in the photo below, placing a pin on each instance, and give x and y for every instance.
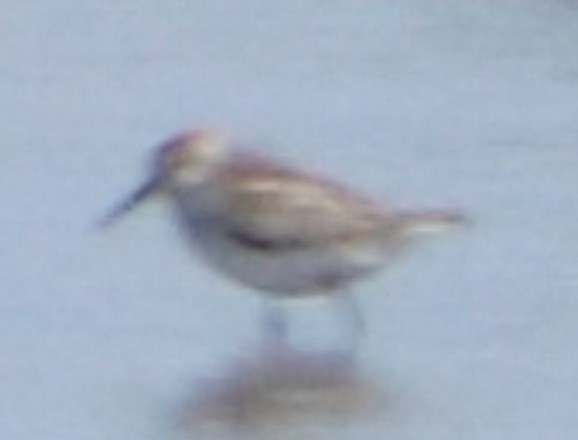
(120, 335)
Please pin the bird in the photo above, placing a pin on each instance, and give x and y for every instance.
(276, 228)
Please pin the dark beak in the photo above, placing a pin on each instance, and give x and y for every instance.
(143, 193)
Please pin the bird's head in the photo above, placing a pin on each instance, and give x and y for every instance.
(184, 160)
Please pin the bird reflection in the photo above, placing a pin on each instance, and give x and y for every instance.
(282, 393)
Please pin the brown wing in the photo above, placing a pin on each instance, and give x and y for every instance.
(270, 206)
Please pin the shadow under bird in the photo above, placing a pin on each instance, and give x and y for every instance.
(284, 232)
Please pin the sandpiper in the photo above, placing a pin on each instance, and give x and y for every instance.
(282, 231)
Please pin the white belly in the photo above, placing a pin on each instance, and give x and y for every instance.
(296, 271)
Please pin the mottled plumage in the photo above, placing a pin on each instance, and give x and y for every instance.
(275, 228)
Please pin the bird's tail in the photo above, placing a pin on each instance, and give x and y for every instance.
(429, 222)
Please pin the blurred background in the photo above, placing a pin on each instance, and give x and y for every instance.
(125, 335)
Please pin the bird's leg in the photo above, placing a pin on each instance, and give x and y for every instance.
(275, 324)
(355, 322)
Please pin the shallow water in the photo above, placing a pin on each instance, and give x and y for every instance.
(470, 104)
